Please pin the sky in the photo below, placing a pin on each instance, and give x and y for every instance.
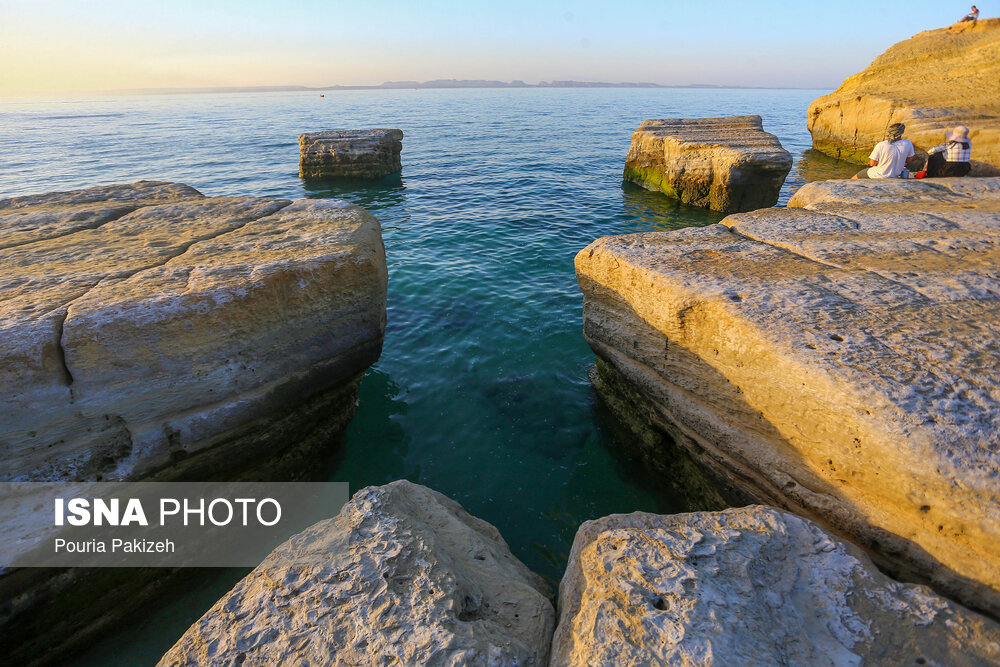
(72, 46)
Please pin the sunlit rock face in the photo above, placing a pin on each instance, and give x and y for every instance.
(838, 358)
(403, 576)
(748, 586)
(360, 154)
(727, 164)
(930, 82)
(146, 325)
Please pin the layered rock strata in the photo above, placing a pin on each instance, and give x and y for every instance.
(147, 324)
(403, 575)
(154, 333)
(837, 358)
(726, 164)
(350, 153)
(748, 586)
(931, 82)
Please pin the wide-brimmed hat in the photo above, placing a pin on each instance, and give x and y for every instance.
(960, 133)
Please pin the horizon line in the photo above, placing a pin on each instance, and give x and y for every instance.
(433, 84)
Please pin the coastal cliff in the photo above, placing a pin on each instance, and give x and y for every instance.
(835, 358)
(931, 82)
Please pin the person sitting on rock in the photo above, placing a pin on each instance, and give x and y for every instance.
(971, 16)
(889, 157)
(952, 157)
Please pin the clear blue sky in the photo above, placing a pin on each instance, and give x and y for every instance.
(78, 45)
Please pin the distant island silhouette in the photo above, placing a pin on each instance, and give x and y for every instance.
(418, 85)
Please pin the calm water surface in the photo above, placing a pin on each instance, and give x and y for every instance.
(482, 390)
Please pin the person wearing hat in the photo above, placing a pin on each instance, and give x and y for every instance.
(889, 157)
(952, 157)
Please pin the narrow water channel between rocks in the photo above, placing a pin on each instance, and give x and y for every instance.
(481, 392)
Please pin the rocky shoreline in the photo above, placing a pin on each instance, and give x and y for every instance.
(800, 355)
(153, 333)
(409, 577)
(831, 365)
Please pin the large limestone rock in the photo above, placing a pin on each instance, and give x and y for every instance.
(839, 358)
(144, 325)
(350, 153)
(403, 576)
(726, 164)
(748, 586)
(930, 82)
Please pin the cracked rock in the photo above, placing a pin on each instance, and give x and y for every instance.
(403, 576)
(151, 315)
(748, 586)
(837, 357)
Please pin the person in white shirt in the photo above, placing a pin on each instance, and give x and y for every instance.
(971, 16)
(889, 157)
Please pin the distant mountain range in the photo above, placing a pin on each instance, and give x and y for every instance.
(412, 85)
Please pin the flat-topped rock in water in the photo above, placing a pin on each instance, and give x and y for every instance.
(748, 586)
(931, 82)
(350, 153)
(403, 576)
(840, 360)
(146, 324)
(726, 164)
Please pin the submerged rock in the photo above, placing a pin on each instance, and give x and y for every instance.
(350, 153)
(726, 164)
(748, 586)
(839, 360)
(144, 325)
(403, 576)
(930, 82)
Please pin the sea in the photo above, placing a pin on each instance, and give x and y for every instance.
(481, 391)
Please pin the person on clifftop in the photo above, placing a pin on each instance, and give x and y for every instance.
(971, 16)
(889, 157)
(952, 158)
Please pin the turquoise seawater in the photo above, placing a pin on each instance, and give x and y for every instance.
(481, 391)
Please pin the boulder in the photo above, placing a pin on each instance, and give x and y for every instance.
(748, 586)
(838, 358)
(403, 575)
(350, 153)
(726, 164)
(146, 325)
(931, 82)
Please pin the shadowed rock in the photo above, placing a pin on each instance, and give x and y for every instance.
(726, 164)
(838, 358)
(931, 82)
(748, 586)
(403, 576)
(350, 153)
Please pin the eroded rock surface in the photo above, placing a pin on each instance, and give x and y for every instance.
(726, 164)
(931, 82)
(144, 324)
(748, 586)
(838, 358)
(404, 576)
(350, 153)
